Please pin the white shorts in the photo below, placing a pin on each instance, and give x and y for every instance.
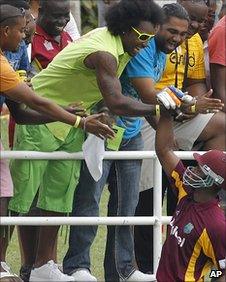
(185, 133)
(6, 184)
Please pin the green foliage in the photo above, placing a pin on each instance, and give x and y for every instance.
(89, 15)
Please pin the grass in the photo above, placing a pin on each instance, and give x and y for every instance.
(97, 250)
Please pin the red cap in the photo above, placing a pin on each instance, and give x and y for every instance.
(216, 161)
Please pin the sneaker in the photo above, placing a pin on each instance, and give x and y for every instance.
(49, 272)
(139, 276)
(83, 275)
(7, 272)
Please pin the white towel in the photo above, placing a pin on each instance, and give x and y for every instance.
(93, 151)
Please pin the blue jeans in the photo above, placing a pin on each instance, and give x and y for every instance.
(119, 254)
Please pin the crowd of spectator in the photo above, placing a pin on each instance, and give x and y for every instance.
(156, 75)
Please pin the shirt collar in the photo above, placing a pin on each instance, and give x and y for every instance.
(121, 50)
(40, 31)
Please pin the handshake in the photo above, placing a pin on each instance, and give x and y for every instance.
(172, 98)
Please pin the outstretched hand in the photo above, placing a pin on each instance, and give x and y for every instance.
(205, 104)
(93, 124)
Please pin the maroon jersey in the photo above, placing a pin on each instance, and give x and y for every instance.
(196, 238)
(45, 47)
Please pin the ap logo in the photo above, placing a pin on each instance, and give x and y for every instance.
(215, 273)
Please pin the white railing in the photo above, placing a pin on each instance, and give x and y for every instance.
(157, 219)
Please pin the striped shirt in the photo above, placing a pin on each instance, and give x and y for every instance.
(175, 63)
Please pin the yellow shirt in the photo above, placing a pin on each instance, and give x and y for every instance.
(196, 67)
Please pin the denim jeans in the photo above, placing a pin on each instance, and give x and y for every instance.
(119, 254)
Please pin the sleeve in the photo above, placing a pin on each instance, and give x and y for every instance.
(214, 245)
(176, 181)
(8, 77)
(72, 29)
(217, 46)
(199, 71)
(142, 64)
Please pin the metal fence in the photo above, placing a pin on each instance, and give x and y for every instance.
(157, 220)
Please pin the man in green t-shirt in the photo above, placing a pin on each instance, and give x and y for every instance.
(88, 71)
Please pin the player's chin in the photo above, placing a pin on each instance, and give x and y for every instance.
(170, 47)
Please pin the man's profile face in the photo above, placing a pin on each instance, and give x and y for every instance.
(171, 34)
(208, 24)
(131, 43)
(197, 13)
(16, 34)
(29, 31)
(55, 17)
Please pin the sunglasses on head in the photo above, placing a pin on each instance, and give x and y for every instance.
(22, 14)
(142, 36)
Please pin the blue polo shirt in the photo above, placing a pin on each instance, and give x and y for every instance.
(2, 100)
(150, 63)
(19, 59)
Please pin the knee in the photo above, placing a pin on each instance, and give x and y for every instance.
(215, 127)
(219, 123)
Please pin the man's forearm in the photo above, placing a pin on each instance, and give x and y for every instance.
(152, 121)
(26, 115)
(125, 106)
(165, 135)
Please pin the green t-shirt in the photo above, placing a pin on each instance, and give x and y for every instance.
(67, 80)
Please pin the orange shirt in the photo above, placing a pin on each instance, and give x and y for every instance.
(8, 77)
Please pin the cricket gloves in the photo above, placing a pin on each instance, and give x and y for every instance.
(172, 98)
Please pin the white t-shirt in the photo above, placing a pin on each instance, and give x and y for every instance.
(72, 29)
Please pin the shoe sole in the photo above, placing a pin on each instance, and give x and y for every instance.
(42, 280)
(37, 279)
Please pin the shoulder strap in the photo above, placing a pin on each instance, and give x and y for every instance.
(186, 67)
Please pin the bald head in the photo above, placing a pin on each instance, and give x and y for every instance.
(50, 4)
(53, 16)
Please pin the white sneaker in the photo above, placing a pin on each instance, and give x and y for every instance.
(49, 272)
(83, 275)
(7, 273)
(139, 276)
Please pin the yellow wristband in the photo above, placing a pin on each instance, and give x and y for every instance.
(157, 111)
(78, 120)
(193, 108)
